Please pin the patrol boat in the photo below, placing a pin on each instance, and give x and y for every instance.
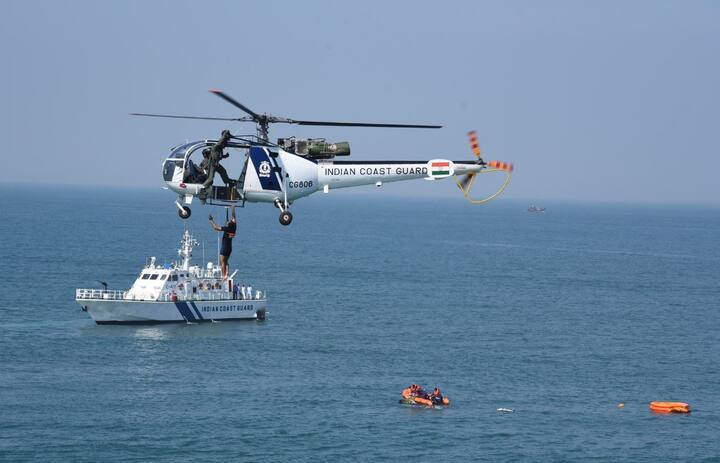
(176, 293)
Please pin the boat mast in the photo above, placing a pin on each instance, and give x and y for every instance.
(185, 252)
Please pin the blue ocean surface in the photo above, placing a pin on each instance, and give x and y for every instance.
(559, 316)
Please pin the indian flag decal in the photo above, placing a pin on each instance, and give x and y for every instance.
(439, 168)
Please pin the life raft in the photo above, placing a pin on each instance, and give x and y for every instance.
(669, 407)
(411, 399)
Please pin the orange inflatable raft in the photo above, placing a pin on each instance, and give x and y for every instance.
(669, 407)
(411, 399)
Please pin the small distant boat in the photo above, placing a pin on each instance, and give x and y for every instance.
(534, 208)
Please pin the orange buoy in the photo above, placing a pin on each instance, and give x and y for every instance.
(669, 407)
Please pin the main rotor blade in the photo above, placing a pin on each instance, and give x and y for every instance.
(236, 119)
(235, 103)
(365, 124)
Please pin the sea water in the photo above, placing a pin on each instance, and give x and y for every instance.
(558, 316)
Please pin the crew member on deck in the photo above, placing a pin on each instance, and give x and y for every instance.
(228, 234)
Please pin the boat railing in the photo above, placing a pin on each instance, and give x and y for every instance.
(214, 296)
(84, 293)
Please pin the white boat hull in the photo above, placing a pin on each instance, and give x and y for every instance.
(120, 311)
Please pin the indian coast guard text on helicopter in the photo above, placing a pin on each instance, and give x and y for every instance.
(368, 170)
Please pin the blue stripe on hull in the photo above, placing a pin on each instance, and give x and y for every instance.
(185, 311)
(197, 312)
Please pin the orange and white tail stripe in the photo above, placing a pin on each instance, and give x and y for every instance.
(474, 144)
(507, 166)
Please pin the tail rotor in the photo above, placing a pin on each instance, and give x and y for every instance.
(466, 181)
(499, 165)
(472, 135)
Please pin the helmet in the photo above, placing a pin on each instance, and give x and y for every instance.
(225, 134)
(206, 152)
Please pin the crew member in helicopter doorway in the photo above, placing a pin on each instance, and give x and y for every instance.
(228, 234)
(213, 164)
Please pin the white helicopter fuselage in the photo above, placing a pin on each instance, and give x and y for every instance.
(273, 175)
(279, 175)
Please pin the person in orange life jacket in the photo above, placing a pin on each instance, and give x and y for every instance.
(228, 234)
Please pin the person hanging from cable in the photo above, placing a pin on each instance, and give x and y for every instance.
(228, 234)
(211, 161)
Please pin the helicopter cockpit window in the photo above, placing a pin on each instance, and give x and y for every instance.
(175, 163)
(179, 151)
(169, 168)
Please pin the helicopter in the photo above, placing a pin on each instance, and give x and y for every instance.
(283, 172)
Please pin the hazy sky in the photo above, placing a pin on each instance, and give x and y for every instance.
(590, 100)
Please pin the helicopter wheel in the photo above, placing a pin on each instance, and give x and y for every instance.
(285, 218)
(185, 212)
